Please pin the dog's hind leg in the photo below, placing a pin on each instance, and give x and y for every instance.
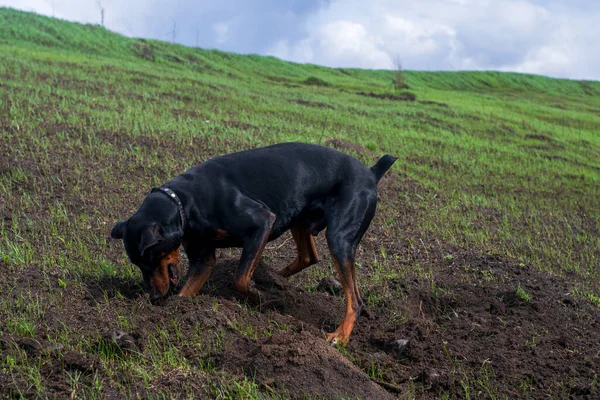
(307, 252)
(347, 223)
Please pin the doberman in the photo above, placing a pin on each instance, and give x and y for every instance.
(247, 199)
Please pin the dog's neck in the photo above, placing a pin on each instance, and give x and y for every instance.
(170, 193)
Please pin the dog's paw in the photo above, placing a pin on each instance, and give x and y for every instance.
(338, 338)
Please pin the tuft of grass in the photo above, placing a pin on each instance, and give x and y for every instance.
(594, 299)
(522, 294)
(314, 81)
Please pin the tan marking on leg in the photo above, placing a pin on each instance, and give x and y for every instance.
(241, 282)
(198, 277)
(307, 252)
(342, 333)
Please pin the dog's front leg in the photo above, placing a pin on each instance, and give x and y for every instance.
(254, 244)
(202, 263)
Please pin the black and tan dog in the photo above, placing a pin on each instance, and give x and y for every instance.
(248, 198)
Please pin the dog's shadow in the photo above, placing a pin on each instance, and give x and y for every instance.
(110, 287)
(220, 283)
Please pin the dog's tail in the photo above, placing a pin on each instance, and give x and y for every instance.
(382, 166)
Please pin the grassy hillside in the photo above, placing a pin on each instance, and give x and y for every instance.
(498, 163)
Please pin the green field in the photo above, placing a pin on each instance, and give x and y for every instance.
(495, 163)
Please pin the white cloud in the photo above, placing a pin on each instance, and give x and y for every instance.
(510, 35)
(335, 42)
(221, 31)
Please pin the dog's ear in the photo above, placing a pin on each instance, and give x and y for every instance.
(117, 230)
(150, 236)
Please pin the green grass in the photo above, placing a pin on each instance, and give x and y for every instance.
(89, 120)
(594, 299)
(523, 294)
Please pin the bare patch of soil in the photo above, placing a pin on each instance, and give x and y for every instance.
(542, 138)
(434, 103)
(316, 104)
(389, 96)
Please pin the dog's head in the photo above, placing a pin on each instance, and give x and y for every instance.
(153, 249)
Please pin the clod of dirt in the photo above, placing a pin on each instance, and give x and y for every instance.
(330, 285)
(497, 307)
(123, 340)
(54, 349)
(306, 366)
(84, 363)
(400, 347)
(33, 347)
(511, 299)
(432, 378)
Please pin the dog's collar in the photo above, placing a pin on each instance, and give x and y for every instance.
(171, 194)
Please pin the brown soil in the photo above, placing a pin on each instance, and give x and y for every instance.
(466, 325)
(461, 329)
(389, 96)
(316, 104)
(434, 103)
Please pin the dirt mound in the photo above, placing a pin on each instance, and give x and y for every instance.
(302, 366)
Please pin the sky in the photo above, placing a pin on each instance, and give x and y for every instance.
(558, 38)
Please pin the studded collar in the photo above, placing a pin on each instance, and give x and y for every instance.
(171, 194)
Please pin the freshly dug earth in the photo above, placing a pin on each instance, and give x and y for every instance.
(456, 326)
(302, 364)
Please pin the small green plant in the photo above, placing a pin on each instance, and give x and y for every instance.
(342, 349)
(372, 146)
(375, 372)
(9, 363)
(21, 326)
(246, 330)
(522, 294)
